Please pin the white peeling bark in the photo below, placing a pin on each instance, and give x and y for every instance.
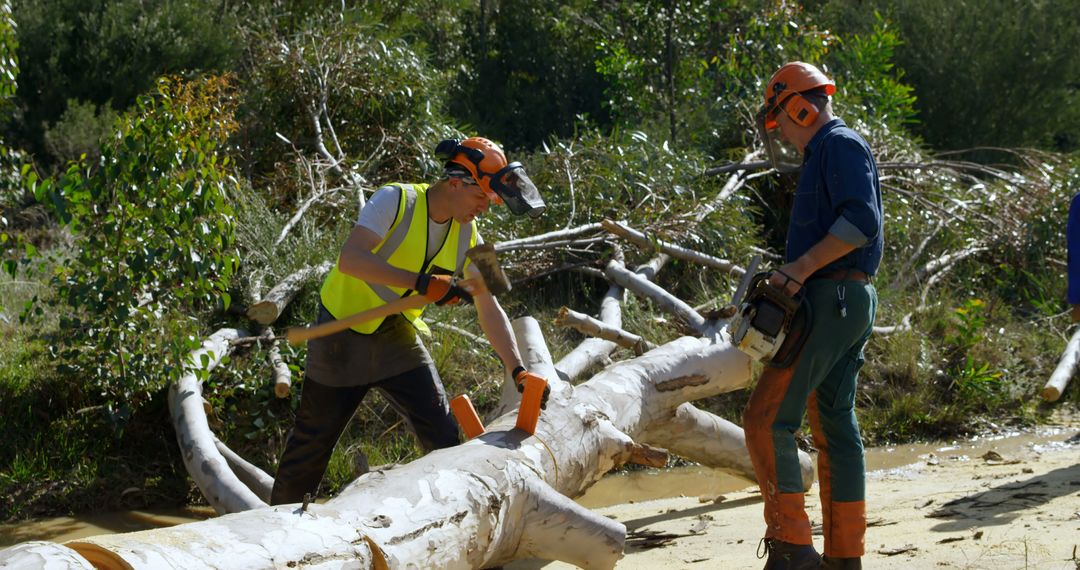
(1066, 367)
(270, 307)
(280, 537)
(714, 442)
(219, 485)
(44, 555)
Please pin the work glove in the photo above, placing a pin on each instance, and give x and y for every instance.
(441, 289)
(520, 375)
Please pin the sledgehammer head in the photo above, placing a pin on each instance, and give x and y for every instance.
(483, 257)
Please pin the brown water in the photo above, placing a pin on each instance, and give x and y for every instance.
(614, 489)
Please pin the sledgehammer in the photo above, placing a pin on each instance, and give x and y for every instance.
(493, 280)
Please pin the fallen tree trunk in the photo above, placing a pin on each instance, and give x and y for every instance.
(281, 373)
(1066, 367)
(499, 497)
(251, 476)
(219, 485)
(594, 350)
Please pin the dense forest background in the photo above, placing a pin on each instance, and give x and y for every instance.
(163, 164)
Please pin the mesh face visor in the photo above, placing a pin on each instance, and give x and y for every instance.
(517, 191)
(784, 156)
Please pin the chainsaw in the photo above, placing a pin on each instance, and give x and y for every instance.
(770, 325)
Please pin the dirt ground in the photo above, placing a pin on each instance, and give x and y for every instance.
(1008, 507)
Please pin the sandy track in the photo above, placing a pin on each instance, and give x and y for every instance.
(1017, 509)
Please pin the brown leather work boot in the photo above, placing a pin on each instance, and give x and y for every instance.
(787, 556)
(841, 563)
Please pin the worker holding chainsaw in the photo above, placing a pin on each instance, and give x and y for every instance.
(410, 239)
(834, 245)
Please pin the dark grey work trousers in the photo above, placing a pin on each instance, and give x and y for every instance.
(416, 394)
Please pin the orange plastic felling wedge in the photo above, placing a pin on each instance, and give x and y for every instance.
(466, 417)
(531, 397)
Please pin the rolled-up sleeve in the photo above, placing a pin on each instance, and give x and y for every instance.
(852, 183)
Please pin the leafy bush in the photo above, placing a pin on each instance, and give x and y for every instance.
(153, 241)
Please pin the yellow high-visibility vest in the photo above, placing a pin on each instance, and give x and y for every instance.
(405, 247)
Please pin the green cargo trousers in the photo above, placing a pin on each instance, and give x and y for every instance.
(821, 381)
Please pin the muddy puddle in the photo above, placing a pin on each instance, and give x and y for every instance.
(614, 489)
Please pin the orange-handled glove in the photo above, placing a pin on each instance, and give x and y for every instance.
(441, 289)
(520, 375)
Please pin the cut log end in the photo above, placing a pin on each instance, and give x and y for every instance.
(282, 388)
(263, 312)
(101, 558)
(1051, 394)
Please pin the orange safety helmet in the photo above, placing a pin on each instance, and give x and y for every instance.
(502, 182)
(481, 157)
(786, 85)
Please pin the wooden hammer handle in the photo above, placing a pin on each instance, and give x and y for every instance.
(298, 335)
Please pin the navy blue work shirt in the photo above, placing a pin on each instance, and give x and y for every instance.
(838, 193)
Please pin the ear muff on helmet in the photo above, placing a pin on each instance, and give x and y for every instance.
(800, 110)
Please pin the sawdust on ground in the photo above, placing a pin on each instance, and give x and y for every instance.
(1019, 509)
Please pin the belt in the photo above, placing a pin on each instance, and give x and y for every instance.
(842, 275)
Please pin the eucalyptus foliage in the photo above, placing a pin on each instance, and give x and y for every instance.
(153, 231)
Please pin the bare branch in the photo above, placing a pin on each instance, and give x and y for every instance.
(458, 330)
(281, 373)
(559, 235)
(1064, 371)
(665, 300)
(737, 166)
(649, 243)
(593, 327)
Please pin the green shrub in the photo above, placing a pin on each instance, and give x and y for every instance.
(153, 249)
